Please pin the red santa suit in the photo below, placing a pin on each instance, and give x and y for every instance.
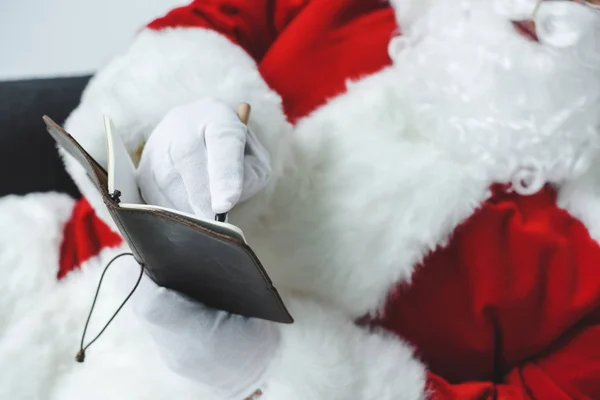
(498, 292)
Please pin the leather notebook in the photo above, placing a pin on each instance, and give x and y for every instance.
(208, 261)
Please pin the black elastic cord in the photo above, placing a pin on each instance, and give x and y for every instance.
(81, 354)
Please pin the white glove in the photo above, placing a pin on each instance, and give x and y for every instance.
(225, 352)
(202, 159)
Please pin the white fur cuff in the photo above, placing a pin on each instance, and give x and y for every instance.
(164, 69)
(324, 355)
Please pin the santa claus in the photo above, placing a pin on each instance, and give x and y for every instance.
(419, 178)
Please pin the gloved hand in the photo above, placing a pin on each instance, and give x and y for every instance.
(225, 352)
(203, 160)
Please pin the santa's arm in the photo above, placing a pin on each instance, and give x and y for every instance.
(209, 48)
(322, 355)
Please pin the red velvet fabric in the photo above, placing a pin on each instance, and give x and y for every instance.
(306, 50)
(84, 236)
(510, 308)
(513, 300)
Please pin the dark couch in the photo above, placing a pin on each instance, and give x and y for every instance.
(28, 158)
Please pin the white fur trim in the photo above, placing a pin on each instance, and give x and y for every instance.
(29, 250)
(163, 69)
(365, 201)
(324, 355)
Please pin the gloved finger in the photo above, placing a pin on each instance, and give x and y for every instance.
(256, 176)
(255, 147)
(257, 167)
(192, 169)
(225, 146)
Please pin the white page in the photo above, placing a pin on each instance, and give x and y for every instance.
(121, 171)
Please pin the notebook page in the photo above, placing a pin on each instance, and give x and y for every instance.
(121, 171)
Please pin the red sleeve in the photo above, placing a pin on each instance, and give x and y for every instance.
(516, 307)
(252, 24)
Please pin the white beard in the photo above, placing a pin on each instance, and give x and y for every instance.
(481, 90)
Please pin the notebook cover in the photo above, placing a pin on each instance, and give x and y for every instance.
(180, 254)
